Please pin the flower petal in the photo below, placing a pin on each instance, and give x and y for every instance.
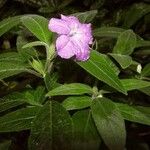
(82, 52)
(86, 31)
(62, 41)
(70, 19)
(83, 56)
(65, 48)
(59, 26)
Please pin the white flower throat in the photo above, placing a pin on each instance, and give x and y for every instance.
(75, 31)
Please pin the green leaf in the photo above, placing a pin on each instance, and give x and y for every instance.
(133, 84)
(112, 65)
(145, 90)
(14, 96)
(10, 56)
(142, 43)
(51, 129)
(142, 52)
(39, 94)
(145, 110)
(26, 53)
(38, 25)
(108, 32)
(8, 23)
(5, 145)
(35, 97)
(86, 135)
(38, 66)
(87, 16)
(30, 98)
(51, 81)
(18, 120)
(126, 43)
(146, 70)
(6, 104)
(77, 102)
(136, 12)
(123, 60)
(110, 123)
(11, 68)
(35, 43)
(99, 66)
(135, 113)
(70, 89)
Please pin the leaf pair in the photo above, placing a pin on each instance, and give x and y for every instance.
(38, 25)
(51, 128)
(109, 119)
(80, 89)
(51, 125)
(11, 63)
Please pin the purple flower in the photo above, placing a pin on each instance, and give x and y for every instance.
(73, 39)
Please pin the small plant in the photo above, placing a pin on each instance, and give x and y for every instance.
(92, 104)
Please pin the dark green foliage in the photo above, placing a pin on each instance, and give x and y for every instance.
(57, 104)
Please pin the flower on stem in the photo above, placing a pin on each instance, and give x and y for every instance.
(73, 39)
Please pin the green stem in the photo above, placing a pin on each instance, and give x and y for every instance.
(50, 52)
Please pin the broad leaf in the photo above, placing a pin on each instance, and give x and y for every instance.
(39, 94)
(10, 68)
(35, 43)
(110, 123)
(36, 97)
(77, 102)
(86, 135)
(136, 12)
(51, 81)
(145, 110)
(26, 53)
(126, 43)
(51, 129)
(8, 23)
(18, 120)
(99, 67)
(143, 52)
(38, 25)
(146, 70)
(135, 113)
(133, 84)
(6, 104)
(108, 32)
(145, 90)
(142, 43)
(70, 89)
(15, 96)
(10, 56)
(123, 60)
(112, 65)
(33, 97)
(87, 16)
